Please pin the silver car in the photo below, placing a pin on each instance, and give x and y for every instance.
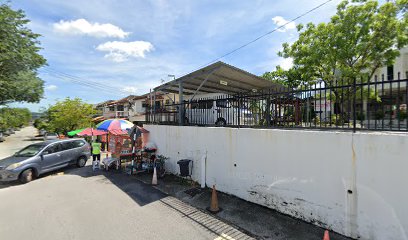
(50, 136)
(39, 158)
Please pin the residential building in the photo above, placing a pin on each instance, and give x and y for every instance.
(115, 108)
(162, 103)
(398, 70)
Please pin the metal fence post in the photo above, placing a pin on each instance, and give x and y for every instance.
(354, 104)
(181, 103)
(239, 110)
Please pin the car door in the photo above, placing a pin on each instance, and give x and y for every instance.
(51, 158)
(68, 154)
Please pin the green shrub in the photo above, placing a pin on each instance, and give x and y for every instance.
(379, 114)
(402, 115)
(360, 116)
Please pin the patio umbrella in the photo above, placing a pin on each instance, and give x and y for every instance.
(114, 125)
(75, 132)
(91, 132)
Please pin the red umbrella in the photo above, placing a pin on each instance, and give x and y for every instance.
(91, 132)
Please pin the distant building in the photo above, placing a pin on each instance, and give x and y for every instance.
(398, 70)
(162, 103)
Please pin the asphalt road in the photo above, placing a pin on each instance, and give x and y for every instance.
(80, 204)
(17, 141)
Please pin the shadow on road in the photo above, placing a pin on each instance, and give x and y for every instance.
(34, 139)
(140, 192)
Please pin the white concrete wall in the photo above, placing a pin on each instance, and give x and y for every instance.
(306, 174)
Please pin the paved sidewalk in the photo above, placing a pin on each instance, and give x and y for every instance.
(261, 222)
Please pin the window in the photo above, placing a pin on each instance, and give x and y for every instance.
(158, 104)
(111, 109)
(144, 104)
(390, 72)
(205, 104)
(167, 102)
(29, 151)
(120, 108)
(78, 143)
(67, 145)
(222, 103)
(52, 149)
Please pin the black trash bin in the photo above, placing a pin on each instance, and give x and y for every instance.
(184, 167)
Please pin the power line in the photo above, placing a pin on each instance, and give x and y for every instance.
(80, 82)
(104, 87)
(265, 34)
(81, 79)
(83, 82)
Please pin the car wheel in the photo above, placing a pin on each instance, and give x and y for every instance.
(221, 122)
(26, 176)
(81, 162)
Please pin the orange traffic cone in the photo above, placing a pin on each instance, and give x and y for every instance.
(214, 202)
(326, 235)
(154, 180)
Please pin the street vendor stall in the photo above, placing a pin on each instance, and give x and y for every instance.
(130, 146)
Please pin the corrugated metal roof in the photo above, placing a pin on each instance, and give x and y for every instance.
(221, 78)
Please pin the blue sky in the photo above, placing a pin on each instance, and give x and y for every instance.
(131, 45)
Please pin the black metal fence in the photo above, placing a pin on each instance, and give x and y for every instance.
(379, 105)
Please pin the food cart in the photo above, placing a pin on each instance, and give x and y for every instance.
(134, 150)
(120, 148)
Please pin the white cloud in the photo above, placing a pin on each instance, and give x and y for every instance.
(278, 20)
(50, 87)
(83, 27)
(286, 63)
(121, 51)
(129, 89)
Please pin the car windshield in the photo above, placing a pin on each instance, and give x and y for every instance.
(29, 151)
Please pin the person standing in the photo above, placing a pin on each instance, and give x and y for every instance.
(96, 153)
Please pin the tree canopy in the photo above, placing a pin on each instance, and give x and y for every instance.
(290, 78)
(14, 117)
(360, 38)
(19, 58)
(68, 115)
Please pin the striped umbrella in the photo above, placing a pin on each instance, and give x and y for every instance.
(114, 125)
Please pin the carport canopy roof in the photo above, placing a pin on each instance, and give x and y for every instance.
(218, 77)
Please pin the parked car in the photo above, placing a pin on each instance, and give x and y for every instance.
(39, 158)
(220, 112)
(1, 137)
(50, 136)
(42, 132)
(7, 132)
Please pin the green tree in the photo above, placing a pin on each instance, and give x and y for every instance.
(68, 115)
(290, 78)
(19, 58)
(361, 37)
(14, 117)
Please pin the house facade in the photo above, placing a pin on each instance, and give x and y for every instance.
(399, 70)
(115, 108)
(160, 102)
